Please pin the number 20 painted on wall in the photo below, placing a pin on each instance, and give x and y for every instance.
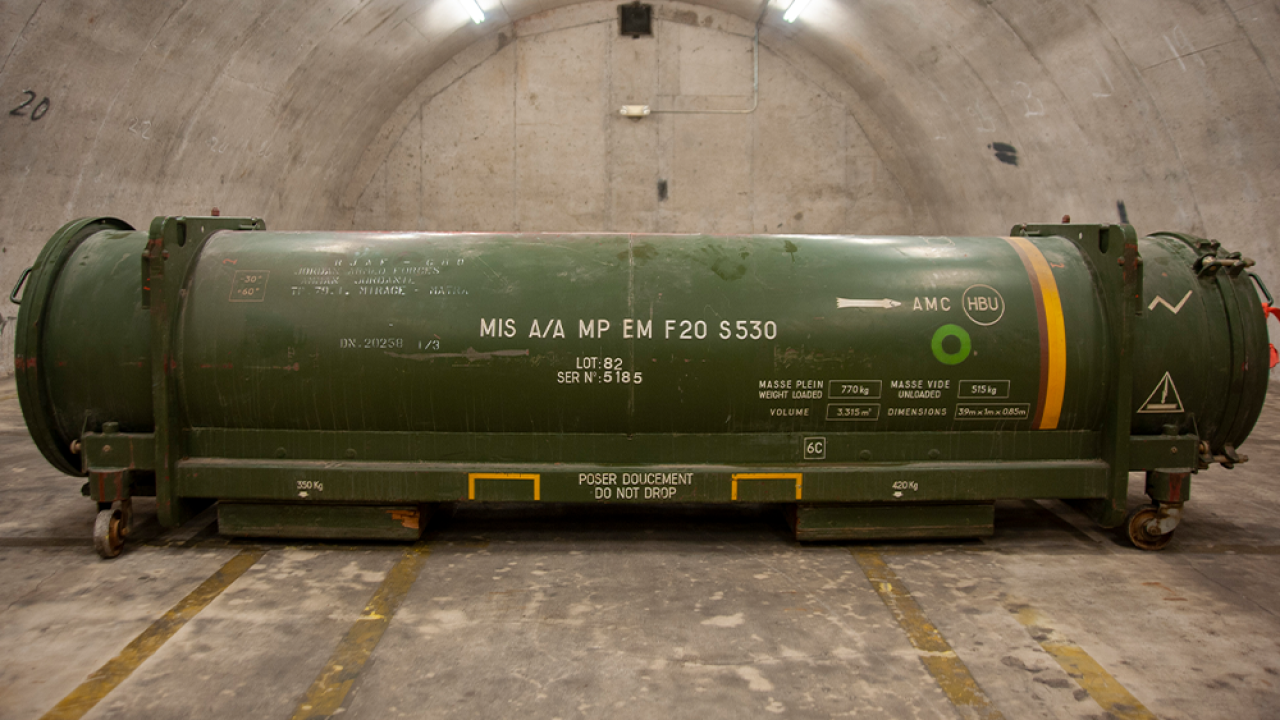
(37, 112)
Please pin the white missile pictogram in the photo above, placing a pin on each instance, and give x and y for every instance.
(885, 304)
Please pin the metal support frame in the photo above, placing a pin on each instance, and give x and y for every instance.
(173, 243)
(1112, 254)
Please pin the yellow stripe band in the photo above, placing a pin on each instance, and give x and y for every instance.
(1056, 330)
(939, 659)
(109, 676)
(798, 477)
(331, 686)
(1101, 686)
(473, 477)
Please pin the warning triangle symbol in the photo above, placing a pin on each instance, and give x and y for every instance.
(1164, 399)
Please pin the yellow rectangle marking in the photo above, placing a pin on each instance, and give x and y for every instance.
(798, 477)
(331, 686)
(1110, 695)
(1055, 327)
(950, 672)
(117, 669)
(473, 477)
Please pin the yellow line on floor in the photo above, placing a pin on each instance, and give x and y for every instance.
(947, 668)
(91, 691)
(327, 693)
(1101, 686)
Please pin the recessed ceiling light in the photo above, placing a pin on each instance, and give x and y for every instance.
(793, 12)
(473, 9)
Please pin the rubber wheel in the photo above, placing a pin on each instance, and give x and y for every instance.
(107, 539)
(1138, 534)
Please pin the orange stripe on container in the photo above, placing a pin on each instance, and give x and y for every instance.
(1053, 338)
(1042, 334)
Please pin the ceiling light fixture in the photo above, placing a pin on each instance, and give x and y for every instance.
(793, 12)
(473, 9)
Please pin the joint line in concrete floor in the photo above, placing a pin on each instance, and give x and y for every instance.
(329, 691)
(935, 652)
(1101, 686)
(117, 669)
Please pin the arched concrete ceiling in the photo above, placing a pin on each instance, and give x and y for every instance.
(279, 109)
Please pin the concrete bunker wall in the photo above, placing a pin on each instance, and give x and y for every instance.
(877, 116)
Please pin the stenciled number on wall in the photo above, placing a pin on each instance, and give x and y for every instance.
(37, 112)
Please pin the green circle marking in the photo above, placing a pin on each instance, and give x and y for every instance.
(956, 357)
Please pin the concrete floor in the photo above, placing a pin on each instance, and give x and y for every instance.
(703, 613)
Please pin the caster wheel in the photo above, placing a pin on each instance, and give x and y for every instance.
(1138, 534)
(108, 538)
(126, 517)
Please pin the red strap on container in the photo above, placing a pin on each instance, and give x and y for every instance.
(1274, 312)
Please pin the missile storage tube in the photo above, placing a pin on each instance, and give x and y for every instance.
(595, 352)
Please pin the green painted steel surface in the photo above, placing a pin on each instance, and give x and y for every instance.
(589, 482)
(632, 334)
(97, 365)
(413, 367)
(626, 334)
(87, 326)
(1207, 334)
(351, 522)
(883, 522)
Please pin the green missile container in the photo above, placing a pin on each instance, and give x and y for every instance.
(339, 384)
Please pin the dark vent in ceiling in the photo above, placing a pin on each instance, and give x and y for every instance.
(635, 19)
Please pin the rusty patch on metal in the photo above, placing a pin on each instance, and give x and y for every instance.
(411, 519)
